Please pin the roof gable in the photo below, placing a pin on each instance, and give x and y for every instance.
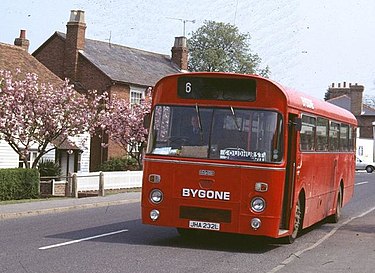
(15, 57)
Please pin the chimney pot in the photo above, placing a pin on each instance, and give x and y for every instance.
(180, 52)
(180, 42)
(22, 41)
(77, 16)
(23, 34)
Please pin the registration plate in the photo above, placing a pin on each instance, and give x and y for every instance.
(204, 225)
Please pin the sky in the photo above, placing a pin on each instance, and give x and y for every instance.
(308, 45)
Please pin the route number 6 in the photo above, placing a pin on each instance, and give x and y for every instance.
(188, 87)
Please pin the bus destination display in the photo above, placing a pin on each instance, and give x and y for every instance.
(206, 88)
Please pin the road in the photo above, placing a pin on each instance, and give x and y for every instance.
(112, 239)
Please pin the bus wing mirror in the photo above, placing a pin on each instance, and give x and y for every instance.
(297, 123)
(147, 121)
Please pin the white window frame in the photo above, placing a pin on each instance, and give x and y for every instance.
(30, 159)
(136, 95)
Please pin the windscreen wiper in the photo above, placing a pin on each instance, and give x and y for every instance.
(235, 119)
(199, 122)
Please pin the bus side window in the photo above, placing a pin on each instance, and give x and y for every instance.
(307, 133)
(322, 134)
(344, 138)
(334, 132)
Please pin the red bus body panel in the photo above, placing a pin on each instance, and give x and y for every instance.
(239, 181)
(318, 175)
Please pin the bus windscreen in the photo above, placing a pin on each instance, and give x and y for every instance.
(211, 88)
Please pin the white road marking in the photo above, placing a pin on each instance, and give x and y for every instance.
(298, 254)
(83, 239)
(361, 183)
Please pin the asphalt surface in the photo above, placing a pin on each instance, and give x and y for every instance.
(356, 234)
(54, 205)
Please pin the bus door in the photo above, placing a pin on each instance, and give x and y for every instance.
(293, 126)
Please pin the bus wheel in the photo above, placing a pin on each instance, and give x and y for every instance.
(297, 226)
(335, 217)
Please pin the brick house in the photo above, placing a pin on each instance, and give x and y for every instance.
(12, 58)
(350, 97)
(102, 66)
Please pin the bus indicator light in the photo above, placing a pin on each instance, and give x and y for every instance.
(154, 214)
(255, 223)
(154, 178)
(261, 187)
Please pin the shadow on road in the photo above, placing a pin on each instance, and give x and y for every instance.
(139, 234)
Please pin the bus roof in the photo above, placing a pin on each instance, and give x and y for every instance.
(306, 103)
(295, 100)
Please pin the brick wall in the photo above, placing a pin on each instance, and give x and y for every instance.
(91, 77)
(354, 91)
(52, 56)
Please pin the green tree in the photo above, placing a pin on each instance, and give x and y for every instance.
(220, 47)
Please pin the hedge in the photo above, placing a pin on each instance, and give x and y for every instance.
(19, 184)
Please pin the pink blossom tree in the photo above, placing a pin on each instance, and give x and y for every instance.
(124, 125)
(34, 114)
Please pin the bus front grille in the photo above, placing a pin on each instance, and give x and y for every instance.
(204, 214)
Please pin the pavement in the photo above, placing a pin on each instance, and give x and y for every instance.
(53, 205)
(350, 249)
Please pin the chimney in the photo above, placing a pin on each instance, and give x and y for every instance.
(75, 41)
(356, 94)
(22, 41)
(180, 53)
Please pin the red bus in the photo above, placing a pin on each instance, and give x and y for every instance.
(242, 154)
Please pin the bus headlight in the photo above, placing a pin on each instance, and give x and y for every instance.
(156, 196)
(258, 204)
(154, 214)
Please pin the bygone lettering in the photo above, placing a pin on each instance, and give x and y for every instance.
(203, 194)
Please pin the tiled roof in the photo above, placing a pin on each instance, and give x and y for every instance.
(14, 57)
(344, 101)
(126, 64)
(64, 144)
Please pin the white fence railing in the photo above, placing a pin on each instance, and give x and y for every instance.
(112, 180)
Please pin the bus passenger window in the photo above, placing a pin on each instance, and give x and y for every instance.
(307, 134)
(334, 132)
(322, 134)
(344, 138)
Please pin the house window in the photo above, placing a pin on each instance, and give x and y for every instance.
(30, 159)
(136, 95)
(360, 150)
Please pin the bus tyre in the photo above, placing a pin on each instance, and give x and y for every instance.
(297, 226)
(336, 217)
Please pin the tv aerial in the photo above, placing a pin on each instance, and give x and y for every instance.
(184, 21)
